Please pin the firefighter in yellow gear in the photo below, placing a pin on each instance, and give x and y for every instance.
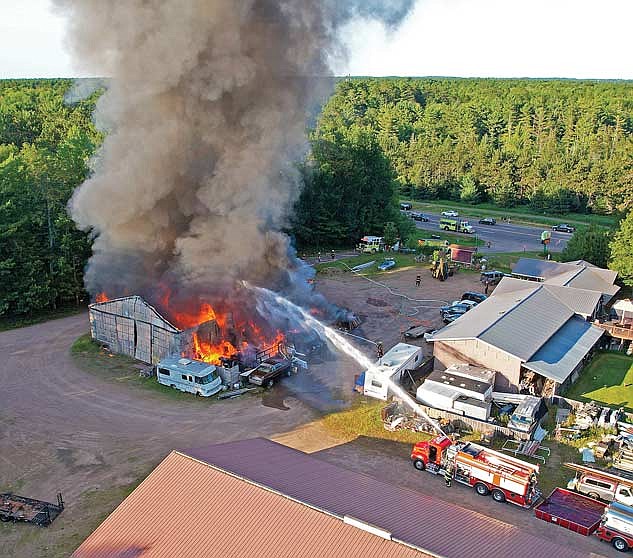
(448, 475)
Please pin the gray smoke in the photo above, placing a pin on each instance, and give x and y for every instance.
(206, 110)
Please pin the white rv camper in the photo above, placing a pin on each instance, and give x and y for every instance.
(396, 360)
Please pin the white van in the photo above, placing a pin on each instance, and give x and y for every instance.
(191, 376)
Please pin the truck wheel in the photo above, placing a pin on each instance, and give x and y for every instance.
(593, 495)
(482, 489)
(5, 518)
(620, 544)
(498, 496)
(270, 383)
(419, 465)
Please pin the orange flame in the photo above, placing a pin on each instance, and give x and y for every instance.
(211, 353)
(101, 297)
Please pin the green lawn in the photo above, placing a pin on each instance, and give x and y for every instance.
(464, 240)
(343, 264)
(607, 380)
(517, 214)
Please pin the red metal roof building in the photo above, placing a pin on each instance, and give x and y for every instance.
(189, 509)
(257, 498)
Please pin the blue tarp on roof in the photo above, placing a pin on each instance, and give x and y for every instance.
(558, 358)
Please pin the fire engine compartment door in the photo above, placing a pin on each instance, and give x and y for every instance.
(143, 342)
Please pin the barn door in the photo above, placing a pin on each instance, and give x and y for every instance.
(143, 342)
(125, 335)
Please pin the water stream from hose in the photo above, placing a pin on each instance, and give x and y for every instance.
(345, 346)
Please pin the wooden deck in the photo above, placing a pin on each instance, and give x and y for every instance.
(616, 330)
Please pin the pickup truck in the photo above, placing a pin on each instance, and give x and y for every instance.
(616, 526)
(270, 370)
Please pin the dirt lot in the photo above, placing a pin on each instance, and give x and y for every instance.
(94, 438)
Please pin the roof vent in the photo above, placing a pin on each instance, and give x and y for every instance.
(367, 527)
(184, 361)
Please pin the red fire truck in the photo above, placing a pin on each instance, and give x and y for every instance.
(506, 478)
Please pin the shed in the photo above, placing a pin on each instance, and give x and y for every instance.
(462, 254)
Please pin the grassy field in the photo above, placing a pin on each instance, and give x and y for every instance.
(607, 380)
(463, 240)
(90, 357)
(343, 264)
(516, 214)
(364, 420)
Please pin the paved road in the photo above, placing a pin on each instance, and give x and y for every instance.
(504, 237)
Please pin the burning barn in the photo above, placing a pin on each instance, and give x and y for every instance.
(131, 326)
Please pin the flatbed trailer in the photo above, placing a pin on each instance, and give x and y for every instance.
(571, 510)
(38, 512)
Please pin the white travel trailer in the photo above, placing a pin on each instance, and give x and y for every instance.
(396, 360)
(191, 376)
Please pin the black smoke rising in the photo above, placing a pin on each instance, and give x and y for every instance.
(206, 110)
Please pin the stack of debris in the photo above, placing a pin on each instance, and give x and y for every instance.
(591, 414)
(395, 416)
(623, 457)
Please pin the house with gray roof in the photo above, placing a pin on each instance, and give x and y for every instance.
(578, 274)
(535, 335)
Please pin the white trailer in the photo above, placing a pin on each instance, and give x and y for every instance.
(396, 360)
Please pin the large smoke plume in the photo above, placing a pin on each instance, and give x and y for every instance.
(205, 112)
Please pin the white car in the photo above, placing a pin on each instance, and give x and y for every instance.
(450, 213)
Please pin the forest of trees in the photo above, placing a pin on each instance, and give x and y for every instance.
(44, 149)
(555, 145)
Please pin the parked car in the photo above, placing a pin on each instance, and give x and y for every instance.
(417, 216)
(475, 297)
(563, 227)
(270, 370)
(387, 264)
(487, 221)
(455, 308)
(405, 206)
(468, 303)
(451, 317)
(491, 277)
(450, 213)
